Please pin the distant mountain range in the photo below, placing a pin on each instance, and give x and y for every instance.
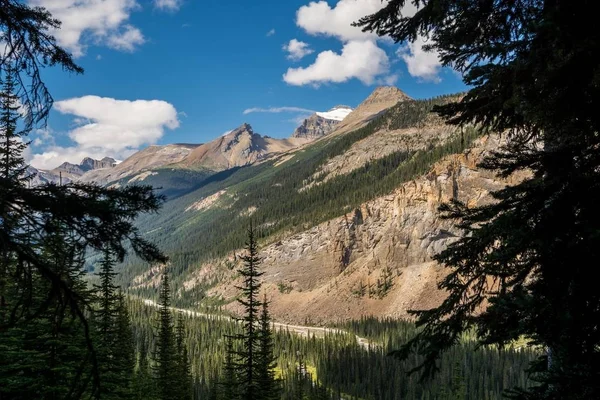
(240, 147)
(345, 206)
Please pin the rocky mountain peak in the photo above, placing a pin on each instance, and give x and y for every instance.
(88, 164)
(245, 128)
(315, 127)
(386, 94)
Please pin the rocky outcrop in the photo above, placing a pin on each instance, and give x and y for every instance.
(242, 146)
(75, 171)
(317, 275)
(89, 164)
(315, 127)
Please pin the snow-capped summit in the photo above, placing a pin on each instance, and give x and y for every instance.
(337, 113)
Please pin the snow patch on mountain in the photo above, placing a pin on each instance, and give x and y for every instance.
(336, 113)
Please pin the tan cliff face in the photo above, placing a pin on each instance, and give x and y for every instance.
(317, 275)
(315, 127)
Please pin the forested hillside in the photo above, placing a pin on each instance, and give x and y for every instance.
(343, 366)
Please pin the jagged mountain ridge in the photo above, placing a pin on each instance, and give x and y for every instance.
(74, 171)
(68, 172)
(240, 147)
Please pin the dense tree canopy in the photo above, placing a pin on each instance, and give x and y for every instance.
(533, 69)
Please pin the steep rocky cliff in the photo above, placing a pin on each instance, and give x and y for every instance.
(374, 260)
(315, 127)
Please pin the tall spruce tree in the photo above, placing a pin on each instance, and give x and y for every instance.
(12, 163)
(524, 264)
(143, 384)
(266, 359)
(229, 383)
(113, 336)
(124, 353)
(248, 354)
(184, 373)
(105, 321)
(166, 361)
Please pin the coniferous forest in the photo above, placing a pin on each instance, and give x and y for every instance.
(521, 310)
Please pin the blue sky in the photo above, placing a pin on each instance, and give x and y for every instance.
(185, 71)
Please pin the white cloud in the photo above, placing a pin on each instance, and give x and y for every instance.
(93, 21)
(318, 18)
(421, 64)
(108, 127)
(297, 49)
(277, 110)
(271, 32)
(126, 40)
(359, 59)
(168, 5)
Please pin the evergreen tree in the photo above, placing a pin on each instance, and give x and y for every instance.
(45, 232)
(124, 351)
(12, 164)
(265, 358)
(166, 362)
(248, 356)
(105, 316)
(143, 385)
(532, 69)
(114, 341)
(229, 385)
(184, 375)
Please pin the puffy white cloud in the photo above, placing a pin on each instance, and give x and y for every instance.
(318, 18)
(93, 21)
(359, 59)
(126, 40)
(108, 127)
(168, 5)
(297, 50)
(271, 32)
(277, 110)
(421, 64)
